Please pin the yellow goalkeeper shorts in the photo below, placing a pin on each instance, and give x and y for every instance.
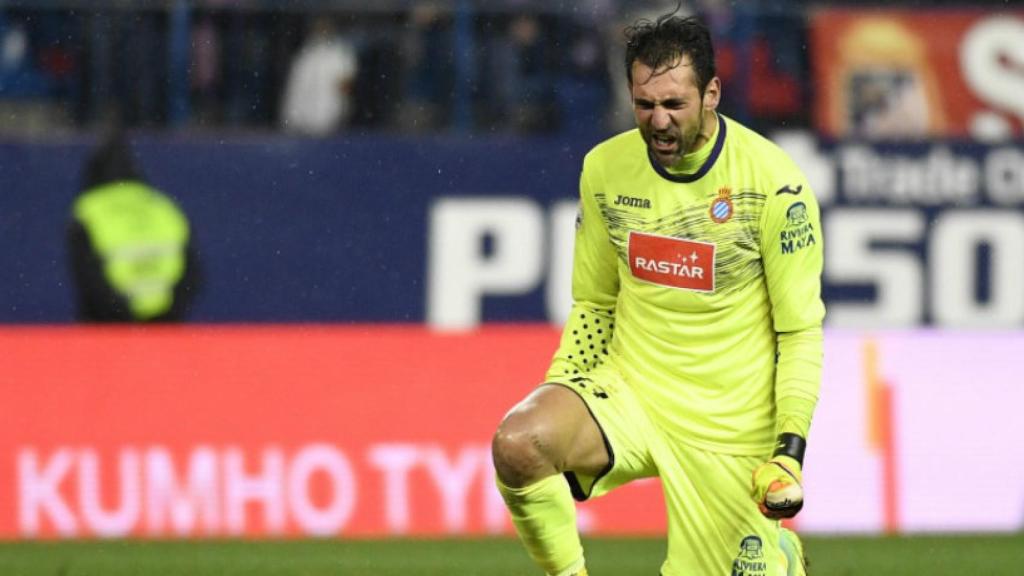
(714, 528)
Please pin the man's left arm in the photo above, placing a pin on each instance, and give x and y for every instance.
(791, 247)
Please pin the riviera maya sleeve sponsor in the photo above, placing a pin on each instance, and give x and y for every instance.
(799, 231)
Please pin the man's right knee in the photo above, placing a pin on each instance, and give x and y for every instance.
(521, 452)
(549, 432)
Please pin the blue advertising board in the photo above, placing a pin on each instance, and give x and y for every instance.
(460, 230)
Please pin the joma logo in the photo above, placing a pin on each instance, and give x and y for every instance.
(632, 201)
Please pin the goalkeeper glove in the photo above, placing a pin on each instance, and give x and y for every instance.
(777, 488)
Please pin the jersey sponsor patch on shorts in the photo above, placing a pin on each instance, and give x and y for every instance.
(750, 561)
(672, 262)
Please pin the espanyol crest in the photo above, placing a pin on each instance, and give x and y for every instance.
(721, 208)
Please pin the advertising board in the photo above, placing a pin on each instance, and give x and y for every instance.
(367, 431)
(913, 74)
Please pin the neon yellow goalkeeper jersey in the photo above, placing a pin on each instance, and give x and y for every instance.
(705, 280)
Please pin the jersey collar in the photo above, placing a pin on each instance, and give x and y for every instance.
(704, 168)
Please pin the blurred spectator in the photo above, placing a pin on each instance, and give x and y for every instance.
(123, 71)
(760, 53)
(429, 68)
(206, 81)
(19, 75)
(517, 79)
(318, 96)
(252, 42)
(377, 90)
(130, 246)
(36, 73)
(584, 91)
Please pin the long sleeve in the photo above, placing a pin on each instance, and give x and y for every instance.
(595, 287)
(791, 244)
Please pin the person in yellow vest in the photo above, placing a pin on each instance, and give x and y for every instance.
(130, 247)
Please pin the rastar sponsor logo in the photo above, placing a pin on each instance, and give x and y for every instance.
(672, 262)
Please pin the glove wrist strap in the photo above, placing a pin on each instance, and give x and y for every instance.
(791, 445)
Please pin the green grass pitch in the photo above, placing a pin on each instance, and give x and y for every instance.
(833, 556)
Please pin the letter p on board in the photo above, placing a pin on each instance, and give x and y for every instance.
(479, 247)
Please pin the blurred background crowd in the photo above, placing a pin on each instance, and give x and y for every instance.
(319, 67)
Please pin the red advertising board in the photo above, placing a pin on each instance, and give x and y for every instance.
(370, 431)
(267, 431)
(897, 74)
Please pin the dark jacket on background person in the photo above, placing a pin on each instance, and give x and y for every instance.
(132, 258)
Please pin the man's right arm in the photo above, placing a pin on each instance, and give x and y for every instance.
(595, 286)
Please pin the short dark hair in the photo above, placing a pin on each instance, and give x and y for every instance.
(112, 161)
(660, 43)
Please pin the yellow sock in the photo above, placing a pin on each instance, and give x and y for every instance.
(544, 515)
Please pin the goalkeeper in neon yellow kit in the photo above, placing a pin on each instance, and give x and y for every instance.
(693, 351)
